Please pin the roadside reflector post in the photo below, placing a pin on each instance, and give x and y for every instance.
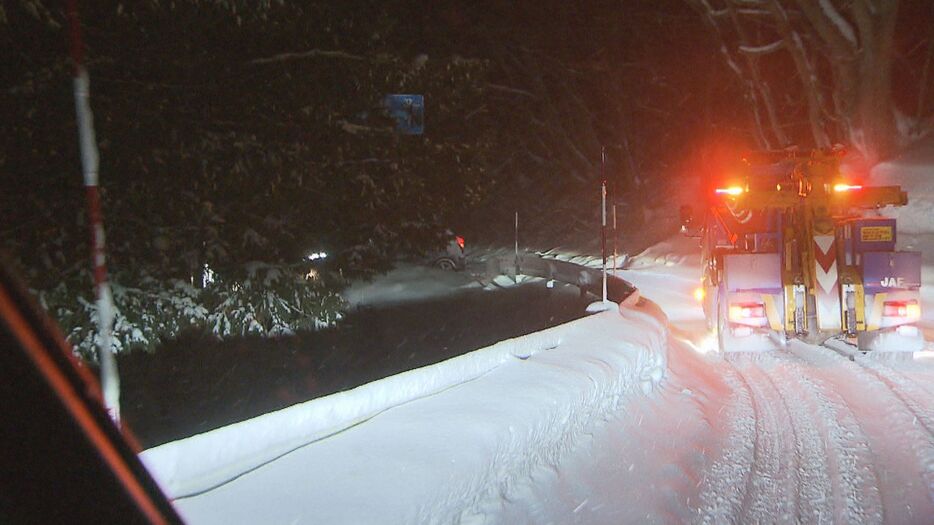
(603, 214)
(516, 274)
(110, 378)
(615, 238)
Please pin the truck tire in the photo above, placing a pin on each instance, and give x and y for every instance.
(723, 325)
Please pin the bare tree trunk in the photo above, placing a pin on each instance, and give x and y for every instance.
(855, 37)
(806, 71)
(861, 59)
(709, 15)
(875, 110)
(761, 87)
(926, 70)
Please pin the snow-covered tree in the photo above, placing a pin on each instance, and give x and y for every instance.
(230, 133)
(822, 71)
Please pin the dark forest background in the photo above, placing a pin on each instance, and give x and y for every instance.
(240, 134)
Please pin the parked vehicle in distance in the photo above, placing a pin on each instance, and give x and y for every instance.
(452, 257)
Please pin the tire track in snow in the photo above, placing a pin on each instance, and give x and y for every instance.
(903, 449)
(811, 448)
(726, 482)
(911, 393)
(809, 456)
(837, 482)
(924, 386)
(772, 497)
(921, 383)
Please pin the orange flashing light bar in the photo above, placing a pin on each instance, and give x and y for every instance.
(841, 187)
(732, 190)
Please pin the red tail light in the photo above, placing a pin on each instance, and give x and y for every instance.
(747, 311)
(460, 241)
(748, 314)
(906, 310)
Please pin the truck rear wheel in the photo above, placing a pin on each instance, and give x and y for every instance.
(724, 338)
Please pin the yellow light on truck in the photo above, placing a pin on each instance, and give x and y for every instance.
(736, 312)
(699, 294)
(841, 187)
(732, 190)
(913, 310)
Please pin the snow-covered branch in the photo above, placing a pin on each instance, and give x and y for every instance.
(762, 50)
(870, 6)
(513, 90)
(838, 21)
(832, 32)
(314, 53)
(806, 72)
(753, 12)
(716, 13)
(864, 17)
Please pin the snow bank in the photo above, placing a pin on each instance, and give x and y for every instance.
(914, 172)
(459, 436)
(196, 464)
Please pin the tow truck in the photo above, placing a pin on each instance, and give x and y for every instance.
(791, 248)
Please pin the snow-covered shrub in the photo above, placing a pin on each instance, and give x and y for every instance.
(267, 300)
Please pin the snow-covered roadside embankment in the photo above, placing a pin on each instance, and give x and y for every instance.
(472, 428)
(913, 172)
(198, 463)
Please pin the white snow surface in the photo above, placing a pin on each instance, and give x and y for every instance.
(437, 444)
(914, 172)
(626, 416)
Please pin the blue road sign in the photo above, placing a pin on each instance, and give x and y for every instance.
(408, 111)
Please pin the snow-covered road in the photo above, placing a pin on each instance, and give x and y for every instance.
(765, 438)
(802, 434)
(574, 425)
(817, 436)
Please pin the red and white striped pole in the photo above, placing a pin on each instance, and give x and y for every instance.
(110, 379)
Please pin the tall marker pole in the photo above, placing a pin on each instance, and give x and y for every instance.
(615, 237)
(516, 260)
(110, 379)
(603, 214)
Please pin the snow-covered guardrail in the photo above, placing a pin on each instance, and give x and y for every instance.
(548, 387)
(588, 279)
(198, 463)
(454, 456)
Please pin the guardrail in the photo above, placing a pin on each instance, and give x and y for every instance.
(589, 280)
